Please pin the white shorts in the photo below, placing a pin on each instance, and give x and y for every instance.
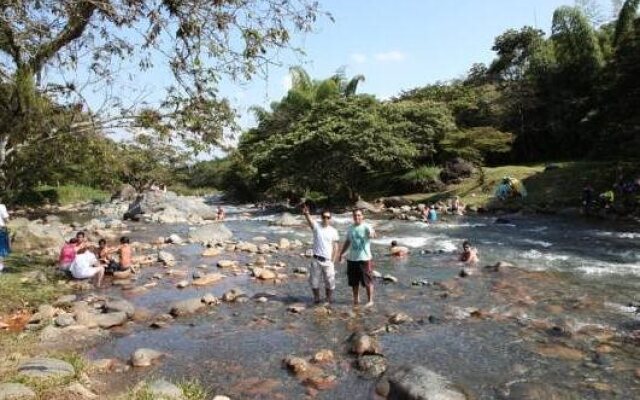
(322, 270)
(84, 273)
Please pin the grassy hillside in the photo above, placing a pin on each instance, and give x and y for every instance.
(554, 188)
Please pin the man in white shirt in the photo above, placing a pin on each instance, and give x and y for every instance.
(325, 251)
(86, 266)
(5, 248)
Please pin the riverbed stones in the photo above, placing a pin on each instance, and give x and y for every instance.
(175, 239)
(167, 258)
(109, 320)
(226, 264)
(286, 219)
(371, 366)
(284, 244)
(45, 368)
(296, 308)
(65, 301)
(122, 275)
(211, 252)
(65, 320)
(15, 391)
(323, 356)
(399, 318)
(420, 383)
(390, 278)
(120, 305)
(209, 299)
(535, 391)
(186, 307)
(75, 390)
(233, 295)
(210, 234)
(161, 389)
(182, 284)
(361, 343)
(247, 247)
(208, 279)
(145, 357)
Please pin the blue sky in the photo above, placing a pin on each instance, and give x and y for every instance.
(397, 45)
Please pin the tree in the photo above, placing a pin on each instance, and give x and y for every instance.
(624, 24)
(201, 40)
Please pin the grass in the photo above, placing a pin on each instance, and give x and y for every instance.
(16, 294)
(71, 194)
(561, 187)
(184, 190)
(191, 390)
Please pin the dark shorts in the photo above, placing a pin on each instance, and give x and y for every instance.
(359, 273)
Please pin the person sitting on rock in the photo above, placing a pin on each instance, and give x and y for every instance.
(67, 255)
(469, 254)
(81, 241)
(86, 266)
(398, 251)
(124, 254)
(220, 214)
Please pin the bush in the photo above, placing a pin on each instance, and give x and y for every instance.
(422, 179)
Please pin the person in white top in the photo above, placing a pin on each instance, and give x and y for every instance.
(5, 247)
(86, 266)
(325, 252)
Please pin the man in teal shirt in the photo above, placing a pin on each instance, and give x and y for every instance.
(359, 265)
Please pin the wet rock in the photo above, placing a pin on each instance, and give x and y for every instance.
(284, 244)
(208, 279)
(301, 270)
(372, 366)
(211, 252)
(264, 248)
(286, 219)
(226, 264)
(320, 381)
(260, 261)
(390, 278)
(500, 265)
(247, 247)
(122, 274)
(399, 318)
(145, 357)
(535, 391)
(65, 320)
(219, 397)
(459, 313)
(266, 274)
(109, 320)
(15, 391)
(559, 351)
(175, 239)
(45, 368)
(382, 388)
(419, 383)
(166, 258)
(162, 389)
(211, 234)
(186, 307)
(120, 305)
(323, 356)
(361, 344)
(296, 308)
(233, 295)
(182, 284)
(34, 236)
(197, 275)
(259, 239)
(297, 365)
(210, 299)
(261, 299)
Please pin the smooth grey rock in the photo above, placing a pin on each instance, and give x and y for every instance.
(65, 300)
(286, 219)
(166, 258)
(120, 305)
(175, 239)
(15, 391)
(161, 389)
(144, 357)
(65, 320)
(45, 367)
(186, 307)
(372, 366)
(420, 383)
(110, 320)
(211, 234)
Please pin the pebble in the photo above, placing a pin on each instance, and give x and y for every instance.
(182, 284)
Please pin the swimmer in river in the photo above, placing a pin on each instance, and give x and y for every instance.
(398, 251)
(469, 254)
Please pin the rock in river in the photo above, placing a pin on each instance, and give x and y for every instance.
(211, 234)
(372, 366)
(364, 344)
(419, 383)
(45, 368)
(144, 357)
(185, 307)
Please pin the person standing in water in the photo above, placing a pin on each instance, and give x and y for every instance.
(359, 259)
(325, 252)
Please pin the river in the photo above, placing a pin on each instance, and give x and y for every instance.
(559, 320)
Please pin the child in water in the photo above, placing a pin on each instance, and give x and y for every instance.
(469, 254)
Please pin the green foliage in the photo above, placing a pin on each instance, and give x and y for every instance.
(476, 144)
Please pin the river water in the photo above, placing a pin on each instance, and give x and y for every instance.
(559, 320)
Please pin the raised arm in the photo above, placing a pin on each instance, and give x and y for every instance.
(305, 212)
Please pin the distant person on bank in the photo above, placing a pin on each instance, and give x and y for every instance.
(325, 253)
(398, 251)
(359, 259)
(5, 241)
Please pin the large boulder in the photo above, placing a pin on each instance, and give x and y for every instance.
(15, 391)
(126, 192)
(45, 368)
(168, 207)
(420, 383)
(366, 206)
(30, 236)
(286, 219)
(211, 234)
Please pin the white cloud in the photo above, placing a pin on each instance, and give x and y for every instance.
(391, 56)
(358, 58)
(287, 82)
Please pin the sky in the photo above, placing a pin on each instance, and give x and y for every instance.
(397, 45)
